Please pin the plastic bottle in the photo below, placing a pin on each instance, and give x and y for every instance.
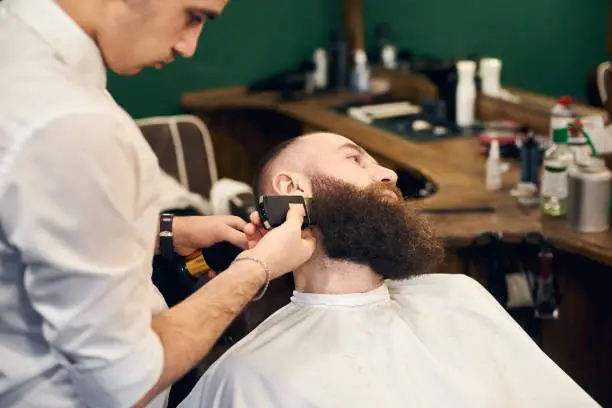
(466, 93)
(321, 69)
(493, 169)
(389, 57)
(557, 160)
(490, 71)
(562, 114)
(360, 78)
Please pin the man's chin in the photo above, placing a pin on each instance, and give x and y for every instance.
(126, 71)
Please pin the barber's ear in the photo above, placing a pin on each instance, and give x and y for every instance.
(286, 183)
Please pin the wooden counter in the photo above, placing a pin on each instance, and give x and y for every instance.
(454, 165)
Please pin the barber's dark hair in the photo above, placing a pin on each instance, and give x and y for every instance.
(264, 165)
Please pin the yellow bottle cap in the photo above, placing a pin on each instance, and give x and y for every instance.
(196, 264)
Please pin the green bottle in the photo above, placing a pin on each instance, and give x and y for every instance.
(557, 159)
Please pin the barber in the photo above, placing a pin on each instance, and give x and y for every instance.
(81, 323)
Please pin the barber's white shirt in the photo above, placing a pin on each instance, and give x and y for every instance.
(78, 211)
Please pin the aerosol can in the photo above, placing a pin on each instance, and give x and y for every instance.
(588, 203)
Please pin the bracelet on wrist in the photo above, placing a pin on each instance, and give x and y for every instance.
(264, 287)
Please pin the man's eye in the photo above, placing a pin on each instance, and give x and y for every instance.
(195, 17)
(355, 158)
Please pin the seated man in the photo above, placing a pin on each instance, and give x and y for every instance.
(366, 326)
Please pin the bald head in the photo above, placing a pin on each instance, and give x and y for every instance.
(288, 169)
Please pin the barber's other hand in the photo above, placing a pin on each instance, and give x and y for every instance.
(284, 248)
(195, 232)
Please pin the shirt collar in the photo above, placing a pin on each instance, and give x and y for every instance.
(376, 296)
(69, 42)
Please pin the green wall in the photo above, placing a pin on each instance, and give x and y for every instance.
(251, 40)
(546, 46)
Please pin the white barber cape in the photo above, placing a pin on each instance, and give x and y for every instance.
(431, 341)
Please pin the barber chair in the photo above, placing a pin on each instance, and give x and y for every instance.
(190, 186)
(184, 149)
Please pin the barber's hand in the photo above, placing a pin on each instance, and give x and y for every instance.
(195, 232)
(284, 248)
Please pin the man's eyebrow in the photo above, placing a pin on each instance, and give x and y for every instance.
(352, 146)
(357, 148)
(208, 13)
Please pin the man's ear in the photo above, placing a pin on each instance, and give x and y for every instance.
(289, 183)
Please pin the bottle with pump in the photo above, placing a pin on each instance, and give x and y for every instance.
(466, 93)
(557, 159)
(360, 78)
(562, 114)
(493, 169)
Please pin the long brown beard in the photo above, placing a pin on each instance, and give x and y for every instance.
(368, 227)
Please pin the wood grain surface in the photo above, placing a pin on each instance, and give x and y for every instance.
(455, 165)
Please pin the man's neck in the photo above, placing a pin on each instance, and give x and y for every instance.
(84, 13)
(327, 276)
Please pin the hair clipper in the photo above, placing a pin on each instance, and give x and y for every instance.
(273, 210)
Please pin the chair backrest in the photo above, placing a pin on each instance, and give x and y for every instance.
(184, 149)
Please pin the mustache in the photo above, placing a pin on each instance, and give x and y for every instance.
(385, 189)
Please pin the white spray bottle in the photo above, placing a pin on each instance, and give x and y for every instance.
(494, 168)
(466, 93)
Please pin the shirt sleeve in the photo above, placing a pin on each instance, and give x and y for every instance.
(70, 208)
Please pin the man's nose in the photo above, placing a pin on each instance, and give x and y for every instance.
(187, 44)
(386, 175)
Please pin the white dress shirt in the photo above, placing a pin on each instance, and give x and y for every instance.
(428, 342)
(78, 217)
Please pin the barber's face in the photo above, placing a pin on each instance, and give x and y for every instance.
(136, 34)
(337, 157)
